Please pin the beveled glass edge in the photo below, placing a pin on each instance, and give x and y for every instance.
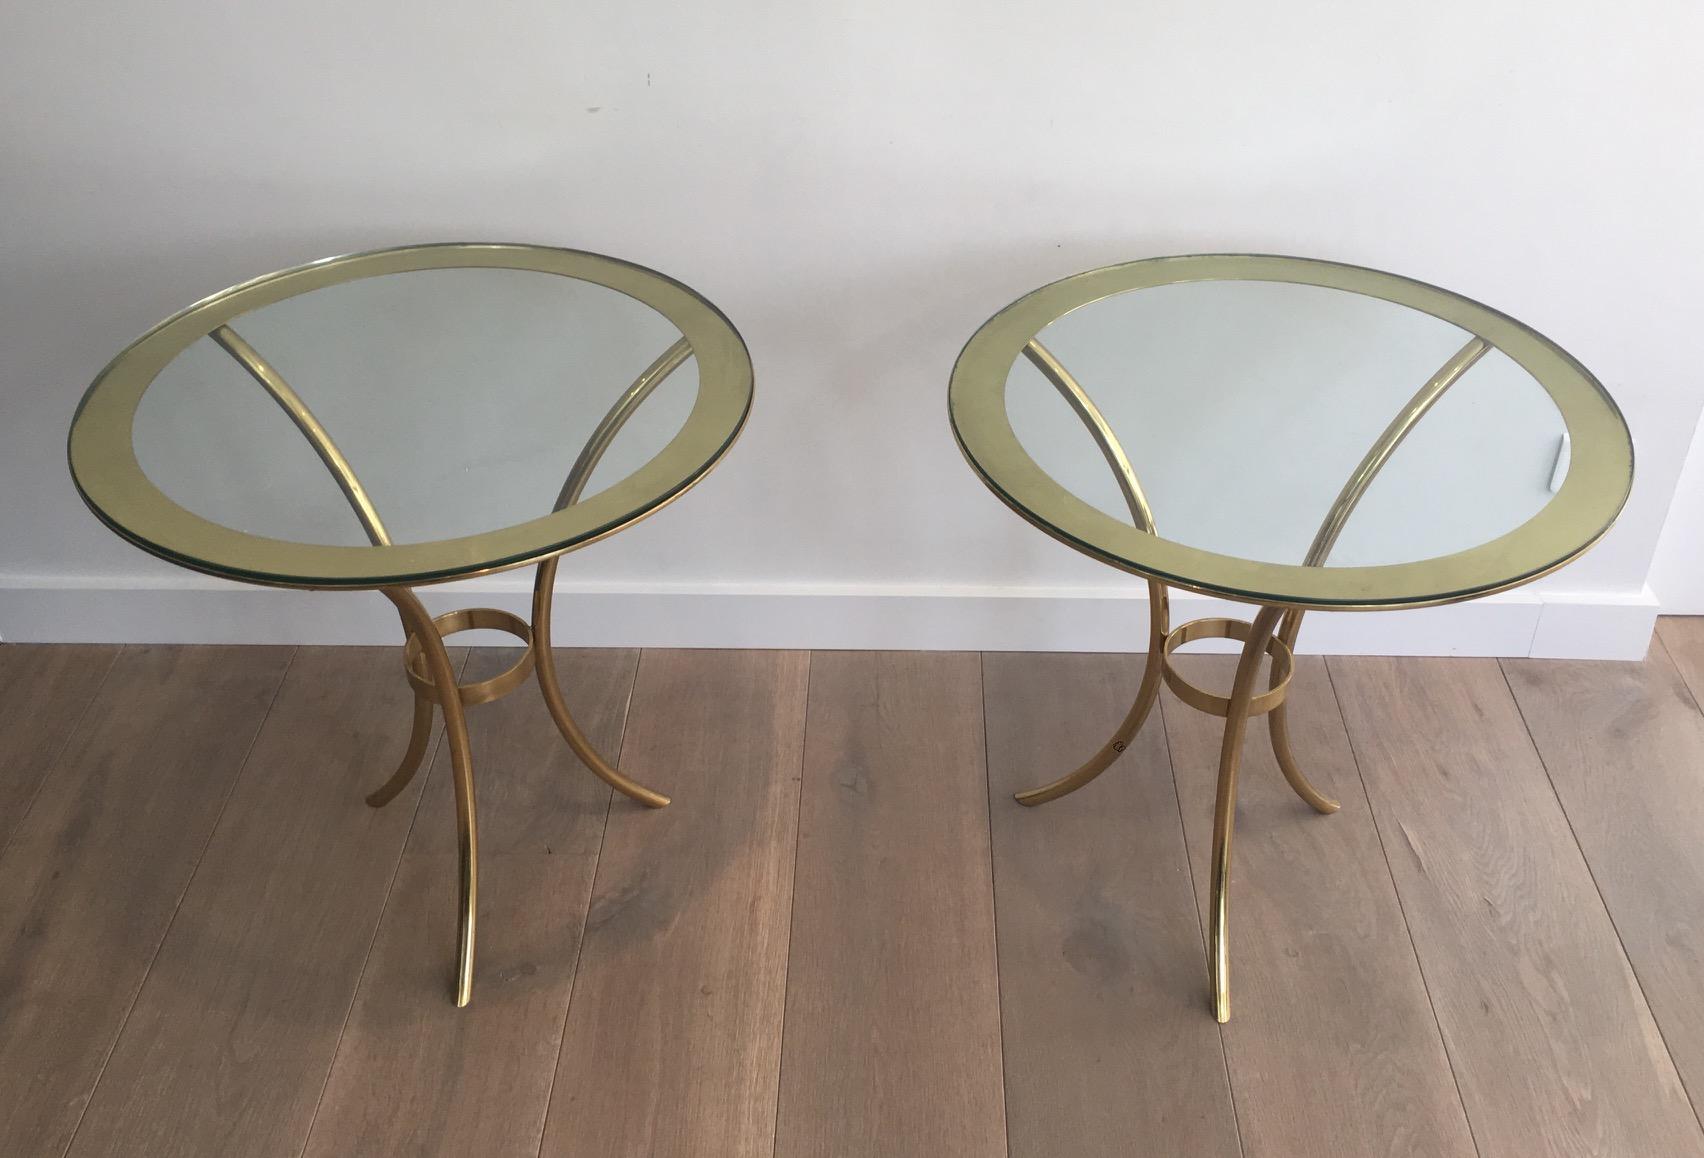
(1593, 493)
(111, 482)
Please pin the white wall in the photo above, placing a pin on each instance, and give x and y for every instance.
(858, 186)
(1677, 572)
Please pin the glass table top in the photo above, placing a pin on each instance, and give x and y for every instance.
(1290, 431)
(410, 415)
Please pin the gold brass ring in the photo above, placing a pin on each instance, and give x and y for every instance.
(1283, 665)
(472, 619)
(1596, 486)
(112, 482)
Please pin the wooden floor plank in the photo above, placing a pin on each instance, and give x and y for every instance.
(1552, 1043)
(229, 1043)
(1332, 1044)
(675, 1042)
(1107, 1036)
(1624, 745)
(1682, 636)
(674, 1028)
(893, 1022)
(44, 690)
(415, 1075)
(95, 871)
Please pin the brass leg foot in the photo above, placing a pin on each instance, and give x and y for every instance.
(1225, 807)
(420, 625)
(545, 663)
(1280, 731)
(411, 759)
(1279, 727)
(1146, 696)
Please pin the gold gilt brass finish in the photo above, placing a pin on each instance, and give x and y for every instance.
(558, 707)
(631, 398)
(111, 480)
(420, 627)
(1596, 486)
(1326, 537)
(1283, 663)
(105, 468)
(316, 434)
(1158, 610)
(471, 619)
(1237, 712)
(1073, 393)
(417, 740)
(1600, 469)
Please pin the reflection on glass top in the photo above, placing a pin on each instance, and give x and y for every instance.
(1244, 408)
(460, 399)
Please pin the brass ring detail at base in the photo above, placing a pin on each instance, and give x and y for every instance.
(472, 619)
(1283, 665)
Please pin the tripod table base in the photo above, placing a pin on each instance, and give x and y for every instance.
(1263, 637)
(427, 666)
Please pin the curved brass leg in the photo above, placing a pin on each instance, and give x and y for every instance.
(1225, 807)
(1147, 696)
(1278, 725)
(411, 759)
(420, 625)
(545, 663)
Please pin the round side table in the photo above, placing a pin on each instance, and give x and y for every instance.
(412, 416)
(1213, 422)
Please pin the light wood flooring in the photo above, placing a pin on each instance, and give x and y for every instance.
(843, 937)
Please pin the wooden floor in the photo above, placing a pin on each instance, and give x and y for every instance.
(844, 938)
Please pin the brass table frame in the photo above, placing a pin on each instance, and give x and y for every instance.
(1597, 485)
(111, 481)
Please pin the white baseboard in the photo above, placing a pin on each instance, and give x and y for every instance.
(1601, 626)
(194, 609)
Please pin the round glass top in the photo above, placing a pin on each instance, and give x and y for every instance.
(1288, 431)
(410, 415)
